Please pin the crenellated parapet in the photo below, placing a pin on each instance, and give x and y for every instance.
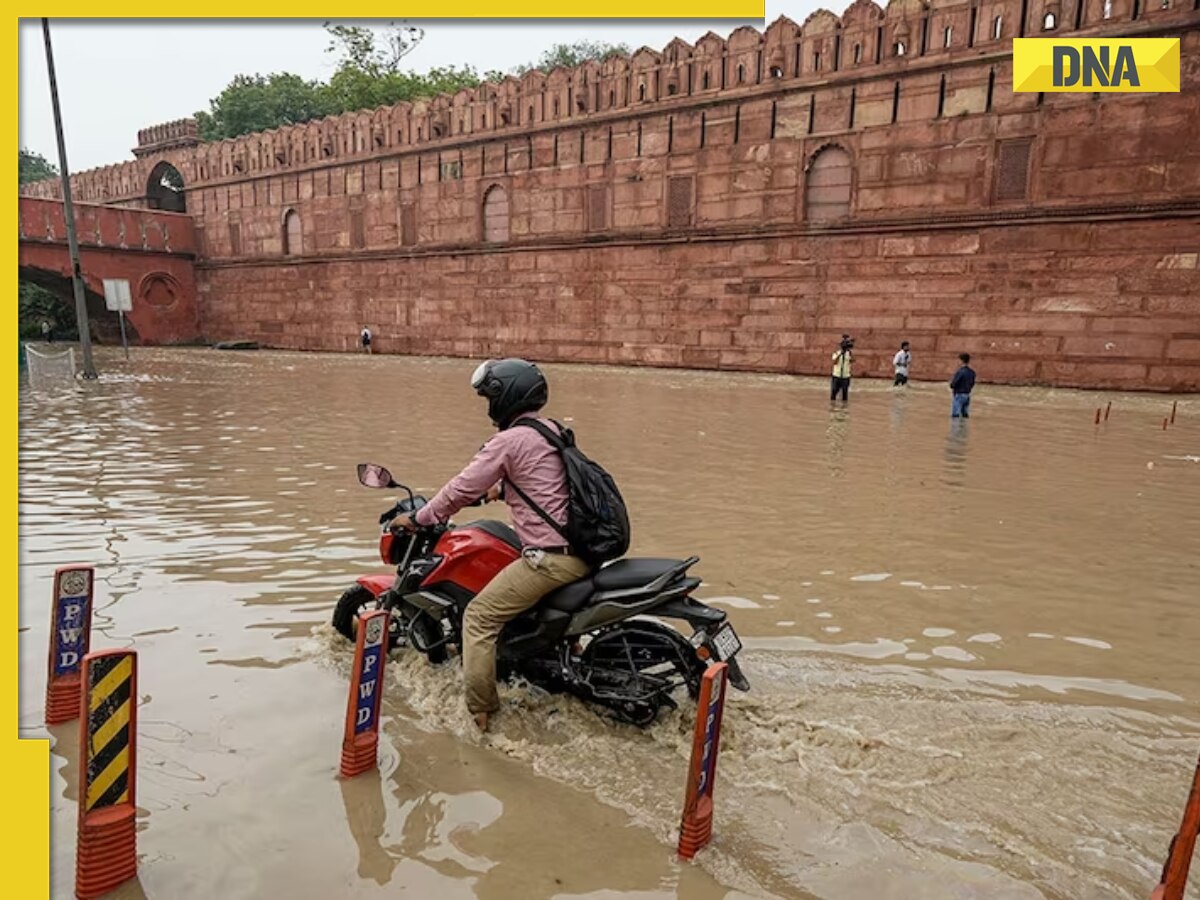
(170, 135)
(867, 41)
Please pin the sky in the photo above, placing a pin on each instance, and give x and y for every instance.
(116, 76)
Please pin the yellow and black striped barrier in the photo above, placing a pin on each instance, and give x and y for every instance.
(106, 852)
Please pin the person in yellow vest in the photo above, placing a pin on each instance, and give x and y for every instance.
(843, 359)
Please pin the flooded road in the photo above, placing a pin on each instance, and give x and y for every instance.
(973, 647)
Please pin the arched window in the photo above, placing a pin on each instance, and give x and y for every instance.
(530, 120)
(1108, 9)
(705, 81)
(857, 53)
(947, 36)
(899, 49)
(997, 28)
(817, 61)
(827, 186)
(642, 91)
(741, 73)
(164, 189)
(495, 215)
(293, 242)
(1049, 22)
(776, 72)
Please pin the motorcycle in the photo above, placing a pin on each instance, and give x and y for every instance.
(586, 638)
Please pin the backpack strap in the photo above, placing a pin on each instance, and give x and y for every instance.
(537, 509)
(558, 444)
(557, 441)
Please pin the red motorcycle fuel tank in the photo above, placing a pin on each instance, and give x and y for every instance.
(471, 557)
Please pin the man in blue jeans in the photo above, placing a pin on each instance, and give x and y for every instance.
(961, 385)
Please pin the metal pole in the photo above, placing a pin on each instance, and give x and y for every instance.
(81, 314)
(124, 343)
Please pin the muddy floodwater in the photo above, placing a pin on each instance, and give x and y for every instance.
(974, 649)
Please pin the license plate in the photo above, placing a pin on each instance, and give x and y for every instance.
(726, 643)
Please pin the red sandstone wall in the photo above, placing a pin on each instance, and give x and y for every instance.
(154, 251)
(711, 156)
(1102, 305)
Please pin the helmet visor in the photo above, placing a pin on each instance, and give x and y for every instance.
(481, 374)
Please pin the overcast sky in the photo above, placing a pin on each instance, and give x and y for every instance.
(117, 76)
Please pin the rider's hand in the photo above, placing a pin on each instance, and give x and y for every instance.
(492, 495)
(403, 523)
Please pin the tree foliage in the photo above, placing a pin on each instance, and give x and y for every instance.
(32, 166)
(569, 55)
(35, 303)
(370, 73)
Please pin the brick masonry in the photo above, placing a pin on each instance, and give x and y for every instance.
(736, 204)
(153, 251)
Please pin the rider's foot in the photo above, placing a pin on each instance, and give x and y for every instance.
(481, 721)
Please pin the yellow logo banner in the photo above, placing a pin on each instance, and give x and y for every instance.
(1107, 65)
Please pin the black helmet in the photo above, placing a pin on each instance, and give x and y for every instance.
(512, 387)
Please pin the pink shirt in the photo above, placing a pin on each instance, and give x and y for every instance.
(518, 455)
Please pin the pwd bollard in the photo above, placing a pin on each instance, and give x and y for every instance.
(696, 828)
(70, 639)
(366, 692)
(1183, 845)
(106, 846)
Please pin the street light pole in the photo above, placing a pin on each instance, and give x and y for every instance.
(81, 314)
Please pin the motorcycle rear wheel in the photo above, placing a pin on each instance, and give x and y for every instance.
(644, 660)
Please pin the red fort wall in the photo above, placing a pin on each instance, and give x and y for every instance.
(739, 204)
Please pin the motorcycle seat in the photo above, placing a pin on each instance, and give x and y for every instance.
(571, 597)
(632, 573)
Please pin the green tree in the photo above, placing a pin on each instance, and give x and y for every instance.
(360, 51)
(32, 166)
(252, 103)
(369, 74)
(569, 55)
(35, 303)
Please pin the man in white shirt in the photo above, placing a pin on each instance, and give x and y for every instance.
(901, 362)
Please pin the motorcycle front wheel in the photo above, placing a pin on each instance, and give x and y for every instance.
(352, 605)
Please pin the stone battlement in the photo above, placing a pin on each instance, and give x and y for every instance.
(157, 138)
(734, 204)
(866, 44)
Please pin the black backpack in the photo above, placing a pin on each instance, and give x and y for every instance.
(597, 528)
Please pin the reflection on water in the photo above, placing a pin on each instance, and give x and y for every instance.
(956, 453)
(972, 649)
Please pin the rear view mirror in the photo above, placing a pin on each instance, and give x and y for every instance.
(373, 476)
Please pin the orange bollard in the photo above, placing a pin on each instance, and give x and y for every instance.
(70, 639)
(695, 830)
(1183, 845)
(106, 845)
(366, 693)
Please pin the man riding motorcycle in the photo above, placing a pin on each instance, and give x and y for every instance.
(522, 458)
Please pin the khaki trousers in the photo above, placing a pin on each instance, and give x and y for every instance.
(518, 586)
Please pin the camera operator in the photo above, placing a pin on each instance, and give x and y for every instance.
(843, 359)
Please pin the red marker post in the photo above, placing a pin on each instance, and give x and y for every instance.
(366, 694)
(70, 640)
(1183, 845)
(695, 831)
(106, 845)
